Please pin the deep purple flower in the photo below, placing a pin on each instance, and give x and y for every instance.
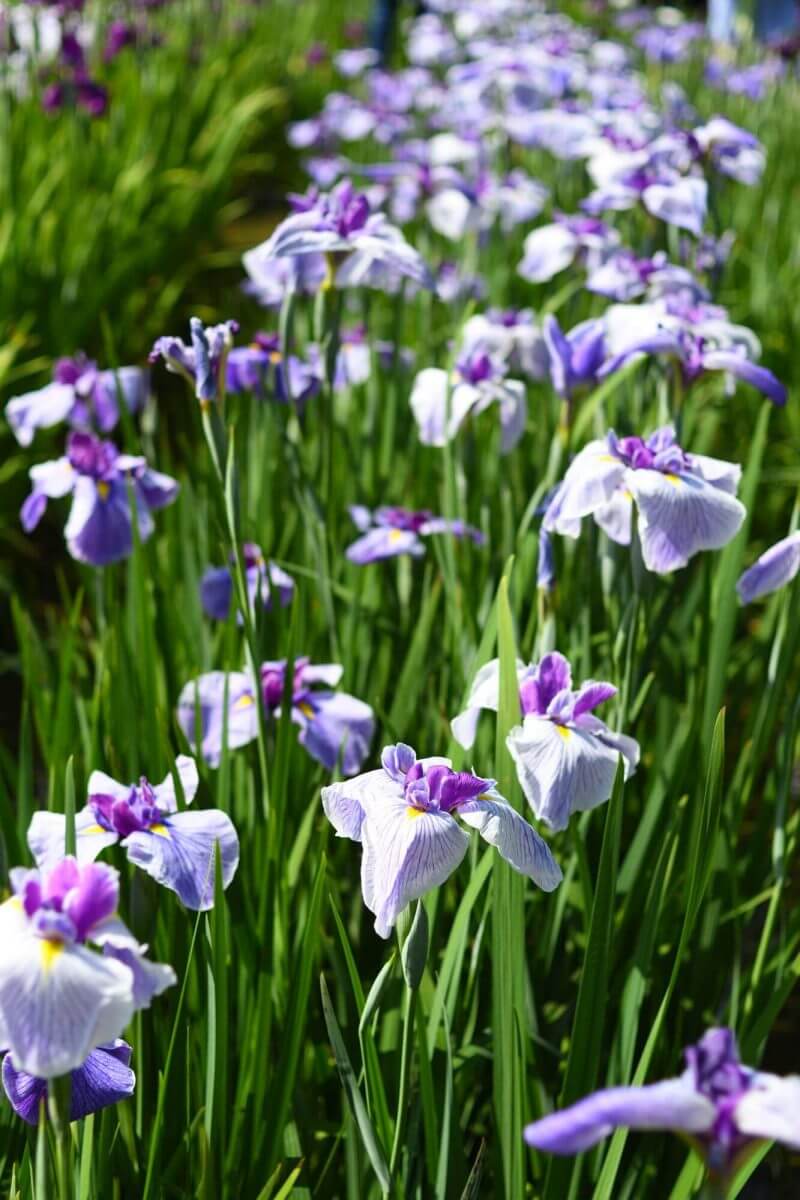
(103, 1079)
(404, 816)
(217, 590)
(722, 1107)
(575, 358)
(99, 528)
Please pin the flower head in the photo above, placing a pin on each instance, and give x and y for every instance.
(404, 815)
(202, 362)
(441, 404)
(79, 393)
(390, 532)
(103, 1079)
(265, 580)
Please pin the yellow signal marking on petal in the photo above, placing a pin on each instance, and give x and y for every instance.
(103, 489)
(94, 829)
(674, 479)
(565, 733)
(396, 535)
(159, 830)
(275, 356)
(245, 701)
(306, 710)
(626, 494)
(51, 948)
(412, 813)
(607, 458)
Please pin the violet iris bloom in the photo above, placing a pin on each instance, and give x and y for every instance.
(697, 335)
(341, 223)
(216, 586)
(202, 363)
(59, 1000)
(773, 570)
(260, 368)
(176, 848)
(333, 725)
(390, 532)
(720, 1105)
(550, 249)
(575, 357)
(477, 382)
(272, 279)
(623, 276)
(733, 151)
(685, 502)
(99, 528)
(514, 335)
(626, 178)
(79, 394)
(404, 816)
(103, 1079)
(566, 758)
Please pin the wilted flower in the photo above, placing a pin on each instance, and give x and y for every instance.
(404, 816)
(566, 758)
(721, 1106)
(222, 705)
(773, 570)
(686, 502)
(441, 405)
(99, 528)
(216, 586)
(79, 394)
(202, 363)
(103, 1079)
(176, 848)
(389, 532)
(58, 999)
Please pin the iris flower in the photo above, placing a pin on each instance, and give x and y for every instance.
(103, 1079)
(721, 1106)
(265, 581)
(176, 848)
(332, 724)
(202, 362)
(478, 381)
(80, 394)
(685, 502)
(773, 570)
(566, 757)
(59, 1000)
(389, 532)
(404, 816)
(99, 528)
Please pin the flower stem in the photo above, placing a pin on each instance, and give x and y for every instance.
(59, 1101)
(405, 1078)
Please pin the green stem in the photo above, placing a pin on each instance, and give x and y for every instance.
(406, 1052)
(59, 1101)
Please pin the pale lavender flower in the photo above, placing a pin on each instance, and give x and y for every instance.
(441, 404)
(404, 816)
(80, 394)
(390, 532)
(59, 1000)
(552, 248)
(333, 725)
(720, 1105)
(566, 758)
(685, 502)
(176, 848)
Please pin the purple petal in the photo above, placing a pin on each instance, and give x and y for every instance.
(94, 899)
(180, 854)
(384, 543)
(339, 725)
(774, 569)
(216, 593)
(514, 838)
(673, 1104)
(740, 367)
(680, 515)
(590, 695)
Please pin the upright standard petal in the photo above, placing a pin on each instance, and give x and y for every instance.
(514, 839)
(345, 803)
(562, 769)
(673, 1104)
(680, 515)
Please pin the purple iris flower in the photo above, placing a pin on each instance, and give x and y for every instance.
(271, 279)
(59, 1000)
(176, 848)
(514, 335)
(550, 249)
(624, 178)
(99, 528)
(733, 151)
(404, 816)
(216, 586)
(390, 532)
(261, 369)
(341, 223)
(701, 341)
(623, 276)
(686, 502)
(720, 1105)
(477, 382)
(103, 1079)
(202, 362)
(773, 570)
(80, 394)
(575, 357)
(333, 725)
(566, 758)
